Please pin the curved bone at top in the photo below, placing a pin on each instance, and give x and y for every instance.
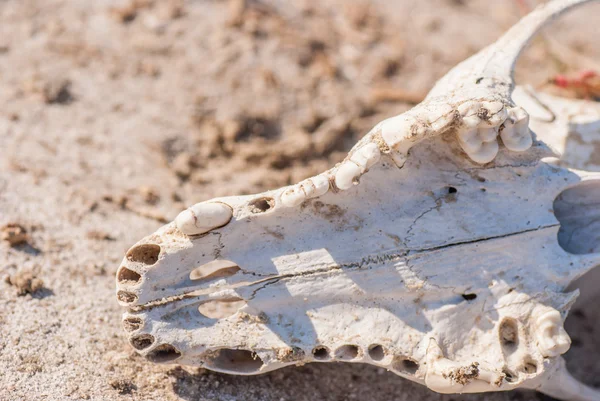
(492, 68)
(446, 272)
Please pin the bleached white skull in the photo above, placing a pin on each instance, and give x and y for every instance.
(447, 269)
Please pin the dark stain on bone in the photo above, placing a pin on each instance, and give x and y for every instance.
(483, 114)
(292, 354)
(464, 374)
(329, 212)
(275, 234)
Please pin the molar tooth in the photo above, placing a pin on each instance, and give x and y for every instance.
(518, 114)
(471, 121)
(316, 186)
(493, 107)
(293, 196)
(346, 175)
(366, 156)
(394, 130)
(203, 217)
(498, 117)
(515, 140)
(469, 140)
(469, 108)
(552, 338)
(309, 188)
(486, 153)
(488, 134)
(496, 112)
(515, 133)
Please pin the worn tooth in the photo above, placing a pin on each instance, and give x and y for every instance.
(515, 132)
(394, 130)
(309, 188)
(488, 134)
(293, 196)
(486, 153)
(515, 140)
(497, 113)
(347, 175)
(518, 114)
(315, 186)
(469, 140)
(360, 161)
(552, 338)
(203, 217)
(366, 156)
(469, 108)
(471, 122)
(493, 107)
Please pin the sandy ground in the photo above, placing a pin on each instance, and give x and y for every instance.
(116, 114)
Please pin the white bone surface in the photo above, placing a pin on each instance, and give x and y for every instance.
(433, 250)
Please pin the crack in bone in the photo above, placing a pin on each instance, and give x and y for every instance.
(373, 259)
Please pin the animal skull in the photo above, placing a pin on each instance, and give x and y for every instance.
(447, 270)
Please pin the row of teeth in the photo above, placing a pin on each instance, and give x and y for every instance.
(478, 138)
(481, 124)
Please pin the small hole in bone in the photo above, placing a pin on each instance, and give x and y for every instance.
(469, 297)
(234, 361)
(346, 352)
(132, 324)
(261, 205)
(126, 297)
(376, 352)
(508, 375)
(127, 276)
(146, 254)
(509, 333)
(164, 353)
(214, 269)
(405, 365)
(142, 341)
(321, 353)
(529, 366)
(452, 190)
(221, 308)
(578, 211)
